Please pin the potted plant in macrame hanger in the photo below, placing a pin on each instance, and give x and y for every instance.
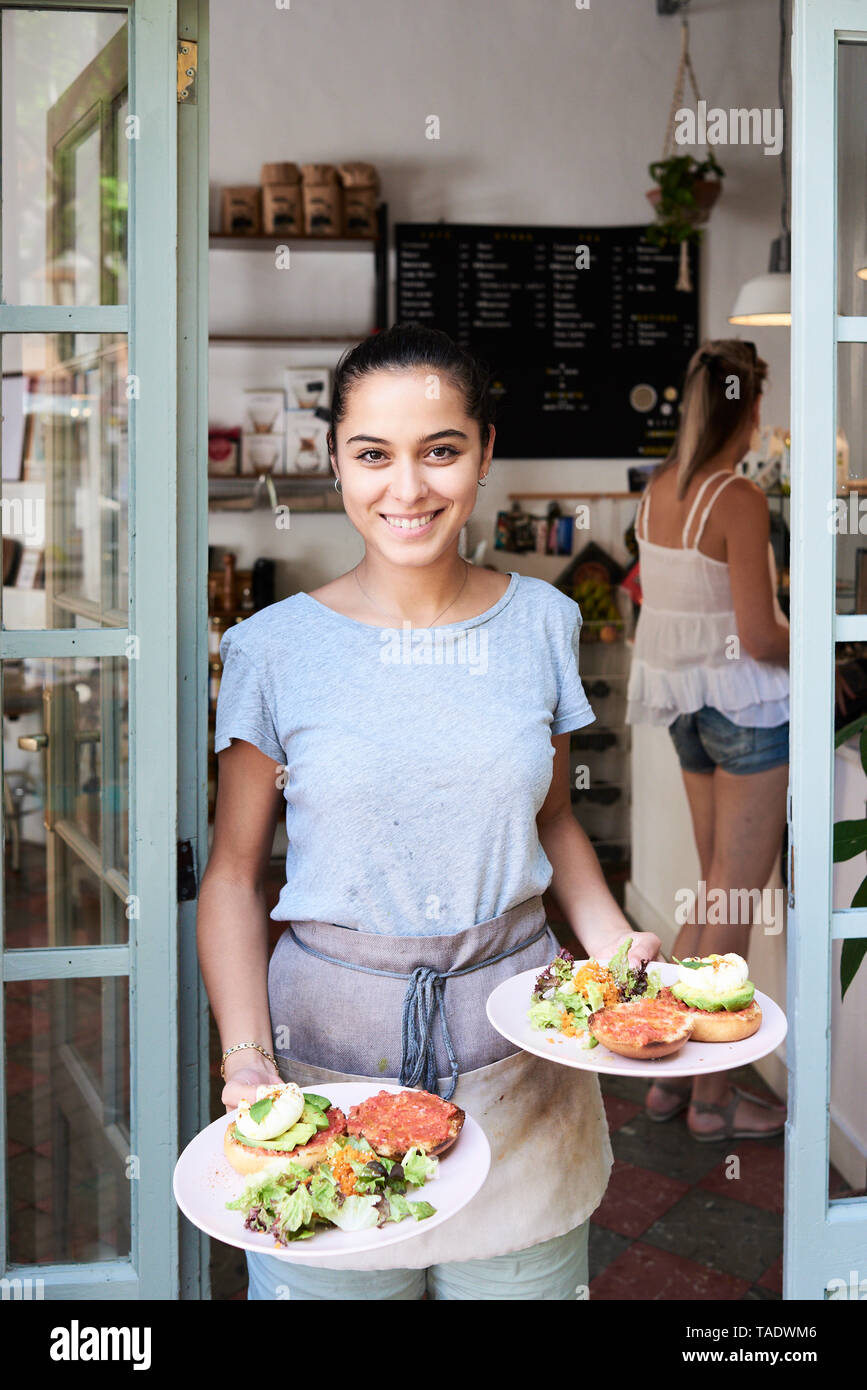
(687, 188)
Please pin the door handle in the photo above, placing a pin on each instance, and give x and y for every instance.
(34, 743)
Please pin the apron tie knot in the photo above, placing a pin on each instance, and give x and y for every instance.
(424, 994)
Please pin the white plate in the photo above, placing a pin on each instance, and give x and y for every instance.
(204, 1181)
(509, 1003)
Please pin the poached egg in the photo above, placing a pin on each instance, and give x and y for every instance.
(717, 976)
(287, 1104)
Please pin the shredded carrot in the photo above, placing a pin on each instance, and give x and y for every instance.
(341, 1165)
(601, 976)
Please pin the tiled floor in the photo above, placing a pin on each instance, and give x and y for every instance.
(682, 1220)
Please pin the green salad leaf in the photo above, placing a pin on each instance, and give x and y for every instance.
(356, 1213)
(544, 1013)
(418, 1167)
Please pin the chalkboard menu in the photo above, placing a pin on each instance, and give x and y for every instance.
(583, 329)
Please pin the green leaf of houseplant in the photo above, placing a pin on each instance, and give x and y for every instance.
(854, 950)
(850, 838)
(850, 730)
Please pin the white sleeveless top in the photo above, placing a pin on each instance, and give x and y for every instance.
(684, 656)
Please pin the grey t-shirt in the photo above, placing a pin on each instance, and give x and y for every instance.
(417, 759)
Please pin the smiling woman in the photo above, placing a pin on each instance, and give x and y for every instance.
(411, 439)
(428, 808)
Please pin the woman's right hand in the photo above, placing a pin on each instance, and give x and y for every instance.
(242, 1081)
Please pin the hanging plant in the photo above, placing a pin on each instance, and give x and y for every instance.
(687, 188)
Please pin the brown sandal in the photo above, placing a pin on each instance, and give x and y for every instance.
(669, 1114)
(727, 1130)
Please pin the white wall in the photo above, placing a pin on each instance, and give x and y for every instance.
(549, 114)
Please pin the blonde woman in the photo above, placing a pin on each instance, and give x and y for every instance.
(711, 663)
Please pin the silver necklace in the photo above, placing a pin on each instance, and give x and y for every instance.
(433, 620)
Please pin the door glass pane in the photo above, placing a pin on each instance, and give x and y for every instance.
(66, 796)
(849, 1010)
(852, 178)
(64, 183)
(65, 480)
(67, 1117)
(850, 509)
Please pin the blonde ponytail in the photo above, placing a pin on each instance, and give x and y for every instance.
(711, 411)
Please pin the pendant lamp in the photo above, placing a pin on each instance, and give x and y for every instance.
(766, 301)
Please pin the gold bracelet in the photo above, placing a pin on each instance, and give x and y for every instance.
(238, 1047)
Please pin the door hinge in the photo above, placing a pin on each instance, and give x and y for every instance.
(790, 838)
(188, 67)
(187, 886)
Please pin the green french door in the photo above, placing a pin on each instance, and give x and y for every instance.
(98, 259)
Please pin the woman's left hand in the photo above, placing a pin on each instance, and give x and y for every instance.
(643, 946)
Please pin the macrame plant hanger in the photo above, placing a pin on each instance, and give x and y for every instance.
(684, 69)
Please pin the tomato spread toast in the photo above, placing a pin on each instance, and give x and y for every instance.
(322, 1171)
(568, 993)
(642, 1028)
(410, 1119)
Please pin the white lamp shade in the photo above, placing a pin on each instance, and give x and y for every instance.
(861, 272)
(765, 301)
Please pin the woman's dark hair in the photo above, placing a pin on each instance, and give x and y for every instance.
(723, 379)
(408, 347)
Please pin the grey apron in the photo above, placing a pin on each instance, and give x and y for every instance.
(550, 1151)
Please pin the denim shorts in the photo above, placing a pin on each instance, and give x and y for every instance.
(707, 739)
(554, 1270)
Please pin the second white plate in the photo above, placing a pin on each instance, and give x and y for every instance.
(509, 1003)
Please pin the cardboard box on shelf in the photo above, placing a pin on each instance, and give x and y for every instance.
(360, 183)
(242, 211)
(262, 453)
(323, 215)
(284, 172)
(282, 210)
(264, 410)
(307, 387)
(306, 443)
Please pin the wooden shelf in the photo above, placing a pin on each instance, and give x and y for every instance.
(239, 484)
(254, 340)
(217, 241)
(554, 496)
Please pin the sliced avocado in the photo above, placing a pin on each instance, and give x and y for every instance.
(298, 1134)
(737, 999)
(317, 1102)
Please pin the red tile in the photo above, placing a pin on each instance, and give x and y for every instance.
(635, 1198)
(618, 1111)
(21, 1078)
(760, 1178)
(773, 1278)
(644, 1273)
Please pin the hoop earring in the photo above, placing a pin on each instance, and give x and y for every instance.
(337, 487)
